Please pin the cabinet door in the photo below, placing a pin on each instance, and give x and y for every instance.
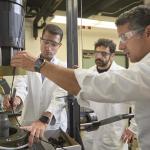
(87, 59)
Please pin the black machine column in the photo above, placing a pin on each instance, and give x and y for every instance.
(72, 59)
(11, 31)
(72, 34)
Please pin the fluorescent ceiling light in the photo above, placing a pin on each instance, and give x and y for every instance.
(86, 22)
(59, 19)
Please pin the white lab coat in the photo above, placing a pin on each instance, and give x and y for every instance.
(132, 84)
(39, 97)
(108, 136)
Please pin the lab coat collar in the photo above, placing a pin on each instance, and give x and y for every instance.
(54, 60)
(147, 57)
(114, 66)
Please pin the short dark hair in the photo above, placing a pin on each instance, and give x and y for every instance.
(106, 43)
(53, 29)
(138, 17)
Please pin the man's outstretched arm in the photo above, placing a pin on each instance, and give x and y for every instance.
(63, 77)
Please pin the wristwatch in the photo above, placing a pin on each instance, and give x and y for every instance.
(44, 119)
(38, 64)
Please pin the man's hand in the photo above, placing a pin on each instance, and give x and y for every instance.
(127, 136)
(24, 60)
(36, 130)
(7, 105)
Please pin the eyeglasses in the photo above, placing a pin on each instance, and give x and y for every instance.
(128, 35)
(103, 54)
(50, 43)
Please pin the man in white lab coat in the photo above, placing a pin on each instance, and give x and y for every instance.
(42, 107)
(109, 136)
(132, 84)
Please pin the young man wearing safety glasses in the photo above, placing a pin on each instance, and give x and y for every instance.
(42, 110)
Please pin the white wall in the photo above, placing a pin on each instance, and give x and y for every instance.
(89, 37)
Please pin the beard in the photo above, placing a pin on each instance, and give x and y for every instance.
(101, 63)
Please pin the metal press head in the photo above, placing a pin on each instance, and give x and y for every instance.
(11, 34)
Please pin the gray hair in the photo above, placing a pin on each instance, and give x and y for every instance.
(138, 17)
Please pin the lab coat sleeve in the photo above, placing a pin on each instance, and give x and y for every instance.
(57, 103)
(133, 126)
(121, 86)
(20, 83)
